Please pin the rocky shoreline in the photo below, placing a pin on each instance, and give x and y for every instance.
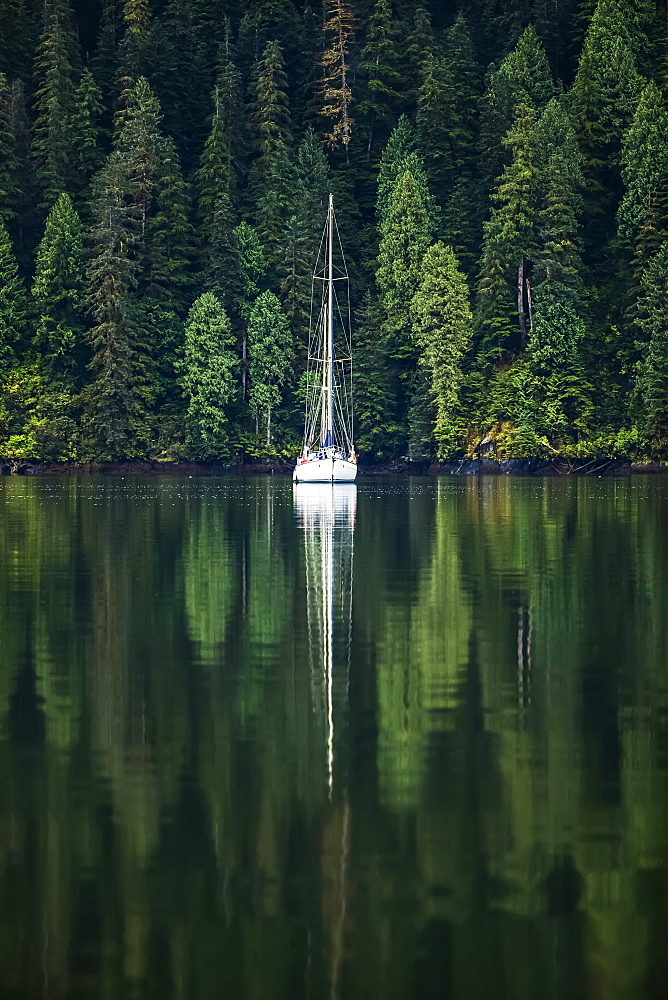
(468, 467)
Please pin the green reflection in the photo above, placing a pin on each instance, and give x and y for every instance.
(253, 747)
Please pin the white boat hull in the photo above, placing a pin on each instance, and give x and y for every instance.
(325, 470)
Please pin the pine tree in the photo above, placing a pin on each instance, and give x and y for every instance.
(380, 66)
(604, 96)
(86, 131)
(209, 367)
(420, 47)
(652, 382)
(58, 292)
(269, 356)
(55, 101)
(643, 211)
(376, 434)
(557, 334)
(523, 78)
(271, 177)
(15, 39)
(336, 92)
(400, 155)
(217, 179)
(24, 224)
(106, 57)
(442, 325)
(181, 78)
(8, 159)
(404, 242)
(13, 304)
(135, 55)
(117, 400)
(303, 234)
(511, 239)
(248, 272)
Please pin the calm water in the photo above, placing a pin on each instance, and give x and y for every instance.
(409, 740)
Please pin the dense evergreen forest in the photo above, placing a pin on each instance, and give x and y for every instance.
(500, 173)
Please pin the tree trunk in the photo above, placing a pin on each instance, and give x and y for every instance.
(520, 305)
(244, 353)
(268, 427)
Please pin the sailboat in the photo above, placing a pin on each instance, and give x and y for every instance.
(328, 454)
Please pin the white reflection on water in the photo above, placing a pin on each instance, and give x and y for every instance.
(327, 517)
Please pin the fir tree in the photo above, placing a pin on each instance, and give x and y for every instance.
(269, 356)
(86, 132)
(442, 325)
(377, 435)
(8, 158)
(399, 156)
(208, 382)
(379, 64)
(181, 79)
(135, 56)
(271, 178)
(248, 272)
(58, 291)
(604, 97)
(55, 101)
(117, 400)
(23, 226)
(13, 305)
(420, 47)
(217, 179)
(15, 39)
(643, 211)
(336, 92)
(524, 79)
(405, 240)
(652, 382)
(303, 234)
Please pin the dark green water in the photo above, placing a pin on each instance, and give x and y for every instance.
(409, 744)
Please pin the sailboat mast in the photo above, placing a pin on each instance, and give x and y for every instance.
(330, 327)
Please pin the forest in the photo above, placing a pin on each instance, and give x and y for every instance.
(500, 177)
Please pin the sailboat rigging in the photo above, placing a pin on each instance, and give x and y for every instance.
(328, 453)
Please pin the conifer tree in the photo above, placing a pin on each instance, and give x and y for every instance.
(643, 211)
(55, 101)
(217, 179)
(181, 79)
(13, 304)
(376, 432)
(604, 96)
(523, 78)
(24, 225)
(248, 272)
(420, 47)
(442, 325)
(336, 91)
(405, 239)
(269, 356)
(208, 382)
(271, 178)
(380, 66)
(15, 39)
(86, 131)
(106, 57)
(511, 239)
(58, 291)
(135, 56)
(117, 400)
(400, 155)
(8, 159)
(303, 234)
(652, 383)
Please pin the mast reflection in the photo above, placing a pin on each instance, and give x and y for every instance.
(327, 514)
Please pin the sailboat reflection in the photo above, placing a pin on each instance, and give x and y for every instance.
(327, 516)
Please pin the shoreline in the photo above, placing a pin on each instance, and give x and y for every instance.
(465, 467)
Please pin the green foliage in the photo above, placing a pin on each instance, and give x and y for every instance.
(209, 382)
(55, 101)
(271, 176)
(13, 304)
(442, 327)
(269, 356)
(58, 292)
(380, 66)
(86, 132)
(652, 383)
(115, 402)
(643, 211)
